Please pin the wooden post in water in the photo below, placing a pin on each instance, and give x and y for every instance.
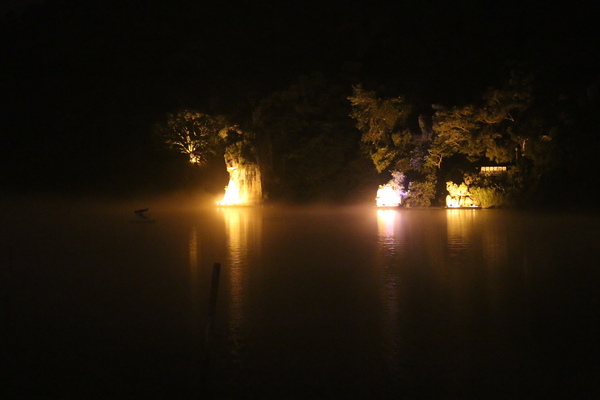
(6, 281)
(201, 386)
(212, 304)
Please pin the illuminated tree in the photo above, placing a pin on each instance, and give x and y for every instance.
(386, 136)
(486, 129)
(454, 130)
(502, 127)
(501, 113)
(421, 192)
(193, 133)
(384, 127)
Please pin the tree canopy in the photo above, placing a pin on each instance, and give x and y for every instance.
(508, 125)
(307, 143)
(193, 133)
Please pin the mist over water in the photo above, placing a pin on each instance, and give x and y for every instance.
(312, 303)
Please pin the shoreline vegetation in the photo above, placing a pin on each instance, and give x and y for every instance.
(136, 111)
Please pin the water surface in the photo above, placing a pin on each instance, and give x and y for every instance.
(312, 303)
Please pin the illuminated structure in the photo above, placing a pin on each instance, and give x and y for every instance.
(244, 187)
(392, 193)
(493, 170)
(388, 196)
(459, 196)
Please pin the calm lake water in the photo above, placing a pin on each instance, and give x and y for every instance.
(312, 303)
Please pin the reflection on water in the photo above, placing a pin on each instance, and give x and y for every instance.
(460, 227)
(494, 245)
(193, 246)
(194, 271)
(243, 228)
(382, 304)
(388, 230)
(444, 275)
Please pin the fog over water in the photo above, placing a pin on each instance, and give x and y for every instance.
(352, 302)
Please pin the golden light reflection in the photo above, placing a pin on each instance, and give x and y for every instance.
(480, 241)
(495, 248)
(494, 243)
(387, 221)
(460, 224)
(388, 232)
(194, 275)
(193, 253)
(243, 228)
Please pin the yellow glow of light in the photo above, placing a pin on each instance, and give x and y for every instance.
(244, 188)
(232, 195)
(455, 203)
(388, 197)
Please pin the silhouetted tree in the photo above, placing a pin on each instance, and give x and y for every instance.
(308, 146)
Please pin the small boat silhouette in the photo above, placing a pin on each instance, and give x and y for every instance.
(141, 216)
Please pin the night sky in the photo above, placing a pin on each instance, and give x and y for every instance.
(84, 81)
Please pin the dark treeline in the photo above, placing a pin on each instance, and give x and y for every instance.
(86, 84)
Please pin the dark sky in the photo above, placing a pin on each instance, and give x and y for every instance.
(215, 46)
(85, 80)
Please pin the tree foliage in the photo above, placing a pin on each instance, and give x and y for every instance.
(507, 126)
(239, 145)
(392, 146)
(420, 193)
(307, 144)
(454, 129)
(384, 127)
(194, 134)
(308, 148)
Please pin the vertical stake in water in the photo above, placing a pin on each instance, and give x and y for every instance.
(212, 304)
(6, 289)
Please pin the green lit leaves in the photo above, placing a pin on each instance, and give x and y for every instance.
(384, 127)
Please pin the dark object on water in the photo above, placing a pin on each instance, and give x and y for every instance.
(141, 217)
(141, 212)
(212, 304)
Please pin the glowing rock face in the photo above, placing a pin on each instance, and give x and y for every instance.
(244, 187)
(459, 196)
(232, 194)
(387, 196)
